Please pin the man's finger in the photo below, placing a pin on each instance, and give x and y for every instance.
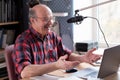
(91, 50)
(64, 57)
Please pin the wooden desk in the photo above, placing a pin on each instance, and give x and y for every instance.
(55, 75)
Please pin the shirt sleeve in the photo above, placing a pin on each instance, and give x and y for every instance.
(62, 50)
(21, 56)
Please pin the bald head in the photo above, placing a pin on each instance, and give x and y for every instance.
(40, 10)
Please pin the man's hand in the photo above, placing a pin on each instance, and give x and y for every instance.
(63, 64)
(90, 57)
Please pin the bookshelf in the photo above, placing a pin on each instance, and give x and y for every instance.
(11, 14)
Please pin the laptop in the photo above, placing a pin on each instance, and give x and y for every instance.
(109, 65)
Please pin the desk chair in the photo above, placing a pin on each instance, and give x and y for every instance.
(9, 62)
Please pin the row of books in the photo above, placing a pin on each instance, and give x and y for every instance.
(3, 67)
(7, 10)
(3, 70)
(6, 37)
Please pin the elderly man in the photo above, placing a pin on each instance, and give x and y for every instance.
(39, 50)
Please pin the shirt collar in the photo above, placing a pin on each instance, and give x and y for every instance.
(36, 34)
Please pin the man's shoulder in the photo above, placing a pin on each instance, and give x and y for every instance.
(24, 36)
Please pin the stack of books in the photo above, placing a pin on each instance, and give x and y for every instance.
(3, 68)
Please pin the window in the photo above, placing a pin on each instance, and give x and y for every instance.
(108, 16)
(84, 31)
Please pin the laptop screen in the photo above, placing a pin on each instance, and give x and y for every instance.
(110, 61)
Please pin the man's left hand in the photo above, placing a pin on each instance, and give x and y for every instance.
(90, 57)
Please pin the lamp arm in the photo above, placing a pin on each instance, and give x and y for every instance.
(95, 5)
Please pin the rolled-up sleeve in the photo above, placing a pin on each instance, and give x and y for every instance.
(21, 56)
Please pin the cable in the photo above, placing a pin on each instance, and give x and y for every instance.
(100, 29)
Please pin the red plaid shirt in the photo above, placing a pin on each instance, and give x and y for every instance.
(31, 49)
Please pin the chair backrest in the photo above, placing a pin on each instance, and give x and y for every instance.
(9, 62)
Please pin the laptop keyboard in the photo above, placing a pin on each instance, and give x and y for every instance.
(93, 74)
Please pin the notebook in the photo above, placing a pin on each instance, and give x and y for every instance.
(109, 65)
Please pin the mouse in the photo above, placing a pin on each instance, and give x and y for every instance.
(71, 70)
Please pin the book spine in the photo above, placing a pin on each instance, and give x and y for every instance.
(9, 11)
(4, 40)
(5, 10)
(1, 37)
(0, 11)
(10, 37)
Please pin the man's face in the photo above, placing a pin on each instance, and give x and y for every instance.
(43, 21)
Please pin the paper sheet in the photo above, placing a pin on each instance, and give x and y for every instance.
(70, 78)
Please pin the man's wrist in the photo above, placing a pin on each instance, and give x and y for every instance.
(82, 58)
(56, 65)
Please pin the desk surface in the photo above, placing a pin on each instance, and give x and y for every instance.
(55, 75)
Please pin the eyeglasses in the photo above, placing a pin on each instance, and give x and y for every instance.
(46, 19)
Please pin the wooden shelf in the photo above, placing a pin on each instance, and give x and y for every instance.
(4, 78)
(2, 51)
(8, 23)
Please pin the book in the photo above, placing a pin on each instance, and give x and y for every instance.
(2, 65)
(0, 10)
(13, 10)
(2, 58)
(1, 37)
(4, 39)
(3, 70)
(5, 10)
(9, 11)
(10, 37)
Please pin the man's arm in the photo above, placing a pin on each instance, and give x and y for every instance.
(38, 69)
(89, 57)
(76, 57)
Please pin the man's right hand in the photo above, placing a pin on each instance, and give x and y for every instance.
(62, 63)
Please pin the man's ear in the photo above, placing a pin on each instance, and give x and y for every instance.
(32, 20)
